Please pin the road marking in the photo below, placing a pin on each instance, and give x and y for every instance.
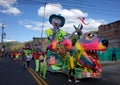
(42, 80)
(39, 79)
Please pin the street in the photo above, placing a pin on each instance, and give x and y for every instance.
(112, 73)
(13, 73)
(110, 76)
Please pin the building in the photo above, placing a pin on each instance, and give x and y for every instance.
(36, 40)
(42, 42)
(111, 32)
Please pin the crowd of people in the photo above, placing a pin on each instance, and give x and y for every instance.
(27, 55)
(29, 52)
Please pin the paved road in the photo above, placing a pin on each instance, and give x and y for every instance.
(12, 73)
(60, 79)
(112, 73)
(110, 76)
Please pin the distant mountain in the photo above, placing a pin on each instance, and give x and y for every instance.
(14, 45)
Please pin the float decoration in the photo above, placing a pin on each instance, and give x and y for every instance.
(84, 49)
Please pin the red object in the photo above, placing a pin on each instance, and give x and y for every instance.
(83, 20)
(43, 53)
(37, 55)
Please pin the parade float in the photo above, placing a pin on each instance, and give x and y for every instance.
(84, 49)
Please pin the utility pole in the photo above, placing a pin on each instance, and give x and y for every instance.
(2, 40)
(43, 26)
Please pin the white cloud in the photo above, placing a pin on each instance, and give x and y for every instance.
(49, 9)
(71, 16)
(93, 24)
(7, 7)
(57, 9)
(8, 40)
(34, 25)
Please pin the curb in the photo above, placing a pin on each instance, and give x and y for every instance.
(109, 63)
(38, 79)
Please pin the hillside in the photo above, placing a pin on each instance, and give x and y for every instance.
(14, 45)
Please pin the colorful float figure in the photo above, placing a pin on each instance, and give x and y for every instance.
(84, 49)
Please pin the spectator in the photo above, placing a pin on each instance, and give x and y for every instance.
(28, 58)
(114, 54)
(37, 55)
(43, 65)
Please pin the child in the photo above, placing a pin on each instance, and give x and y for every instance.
(43, 65)
(71, 67)
(28, 58)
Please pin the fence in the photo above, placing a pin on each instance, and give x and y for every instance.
(107, 55)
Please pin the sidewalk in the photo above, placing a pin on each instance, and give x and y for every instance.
(108, 63)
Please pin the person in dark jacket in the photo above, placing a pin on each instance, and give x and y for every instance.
(114, 54)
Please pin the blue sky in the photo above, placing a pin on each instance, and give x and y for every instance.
(23, 19)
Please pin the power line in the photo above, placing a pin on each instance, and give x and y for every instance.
(83, 3)
(75, 4)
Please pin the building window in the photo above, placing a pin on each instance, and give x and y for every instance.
(115, 31)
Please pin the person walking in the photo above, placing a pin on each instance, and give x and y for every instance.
(37, 57)
(71, 67)
(28, 58)
(114, 54)
(43, 65)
